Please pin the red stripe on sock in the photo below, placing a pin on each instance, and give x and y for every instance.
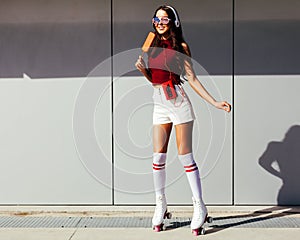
(158, 165)
(191, 170)
(190, 166)
(154, 168)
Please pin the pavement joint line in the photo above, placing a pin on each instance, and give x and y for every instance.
(110, 211)
(74, 232)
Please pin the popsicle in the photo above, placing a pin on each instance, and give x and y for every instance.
(148, 42)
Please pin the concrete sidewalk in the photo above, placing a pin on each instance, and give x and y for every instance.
(230, 223)
(146, 234)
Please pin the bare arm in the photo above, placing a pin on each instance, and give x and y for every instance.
(198, 87)
(141, 66)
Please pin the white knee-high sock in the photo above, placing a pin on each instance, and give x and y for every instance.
(192, 173)
(159, 173)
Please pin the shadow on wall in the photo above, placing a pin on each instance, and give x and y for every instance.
(282, 159)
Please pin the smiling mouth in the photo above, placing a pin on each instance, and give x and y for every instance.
(160, 27)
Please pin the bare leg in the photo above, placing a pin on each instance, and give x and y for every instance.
(161, 135)
(184, 137)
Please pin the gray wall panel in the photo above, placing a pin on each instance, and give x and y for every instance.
(132, 141)
(267, 138)
(266, 43)
(53, 39)
(39, 159)
(52, 152)
(266, 37)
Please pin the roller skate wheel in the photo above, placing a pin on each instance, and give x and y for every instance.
(158, 228)
(198, 231)
(195, 232)
(169, 215)
(209, 219)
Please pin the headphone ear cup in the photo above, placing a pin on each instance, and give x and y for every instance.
(177, 23)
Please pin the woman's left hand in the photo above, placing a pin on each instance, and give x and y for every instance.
(223, 105)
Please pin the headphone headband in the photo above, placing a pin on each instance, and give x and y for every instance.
(177, 23)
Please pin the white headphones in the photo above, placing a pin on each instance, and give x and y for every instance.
(177, 23)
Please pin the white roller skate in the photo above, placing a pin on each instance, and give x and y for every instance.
(160, 214)
(199, 217)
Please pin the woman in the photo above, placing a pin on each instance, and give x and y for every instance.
(168, 58)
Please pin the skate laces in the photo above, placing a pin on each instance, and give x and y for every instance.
(159, 208)
(199, 210)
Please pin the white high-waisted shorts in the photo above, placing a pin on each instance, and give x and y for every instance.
(178, 110)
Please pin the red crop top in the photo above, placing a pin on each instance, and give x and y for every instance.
(160, 64)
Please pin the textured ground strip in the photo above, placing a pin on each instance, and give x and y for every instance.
(143, 222)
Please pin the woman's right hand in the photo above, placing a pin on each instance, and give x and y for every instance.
(140, 64)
